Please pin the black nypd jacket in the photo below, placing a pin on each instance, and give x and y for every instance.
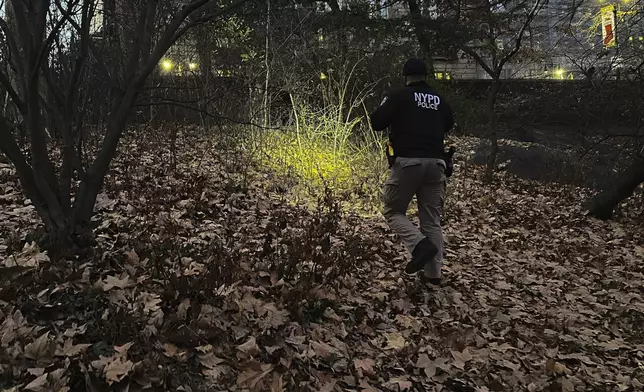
(418, 119)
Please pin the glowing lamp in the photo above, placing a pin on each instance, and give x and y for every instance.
(166, 65)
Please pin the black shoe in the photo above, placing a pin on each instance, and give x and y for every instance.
(430, 281)
(422, 254)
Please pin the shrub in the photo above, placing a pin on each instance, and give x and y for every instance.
(329, 148)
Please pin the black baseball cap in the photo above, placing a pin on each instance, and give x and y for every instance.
(414, 66)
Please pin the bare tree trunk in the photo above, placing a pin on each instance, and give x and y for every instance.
(493, 132)
(204, 54)
(603, 204)
(267, 64)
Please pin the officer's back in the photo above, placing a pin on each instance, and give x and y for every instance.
(417, 115)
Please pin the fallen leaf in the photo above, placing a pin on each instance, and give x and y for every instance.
(150, 302)
(54, 381)
(122, 350)
(42, 349)
(251, 377)
(511, 365)
(101, 362)
(111, 282)
(322, 349)
(204, 349)
(250, 347)
(170, 350)
(210, 360)
(38, 384)
(117, 370)
(132, 257)
(409, 322)
(430, 366)
(182, 312)
(423, 361)
(215, 373)
(278, 383)
(399, 383)
(271, 317)
(395, 341)
(71, 350)
(364, 366)
(331, 315)
(461, 358)
(555, 367)
(57, 382)
(613, 345)
(75, 331)
(36, 371)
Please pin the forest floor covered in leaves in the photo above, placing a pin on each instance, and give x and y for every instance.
(198, 283)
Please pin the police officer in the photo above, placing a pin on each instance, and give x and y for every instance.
(418, 119)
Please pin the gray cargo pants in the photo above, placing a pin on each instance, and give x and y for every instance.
(425, 178)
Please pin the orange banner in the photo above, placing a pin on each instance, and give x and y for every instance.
(608, 25)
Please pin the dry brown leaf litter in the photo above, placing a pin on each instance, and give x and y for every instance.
(199, 285)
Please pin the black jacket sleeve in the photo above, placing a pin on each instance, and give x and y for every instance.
(382, 117)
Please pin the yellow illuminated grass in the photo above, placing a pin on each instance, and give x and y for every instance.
(312, 159)
(330, 147)
(325, 151)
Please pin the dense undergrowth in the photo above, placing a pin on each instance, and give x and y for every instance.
(207, 276)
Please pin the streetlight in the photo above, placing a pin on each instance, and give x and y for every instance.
(559, 73)
(167, 65)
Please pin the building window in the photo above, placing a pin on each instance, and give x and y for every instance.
(442, 75)
(384, 9)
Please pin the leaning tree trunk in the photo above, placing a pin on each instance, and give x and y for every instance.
(603, 204)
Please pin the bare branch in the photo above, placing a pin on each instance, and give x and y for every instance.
(535, 9)
(603, 139)
(472, 53)
(44, 49)
(210, 17)
(204, 112)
